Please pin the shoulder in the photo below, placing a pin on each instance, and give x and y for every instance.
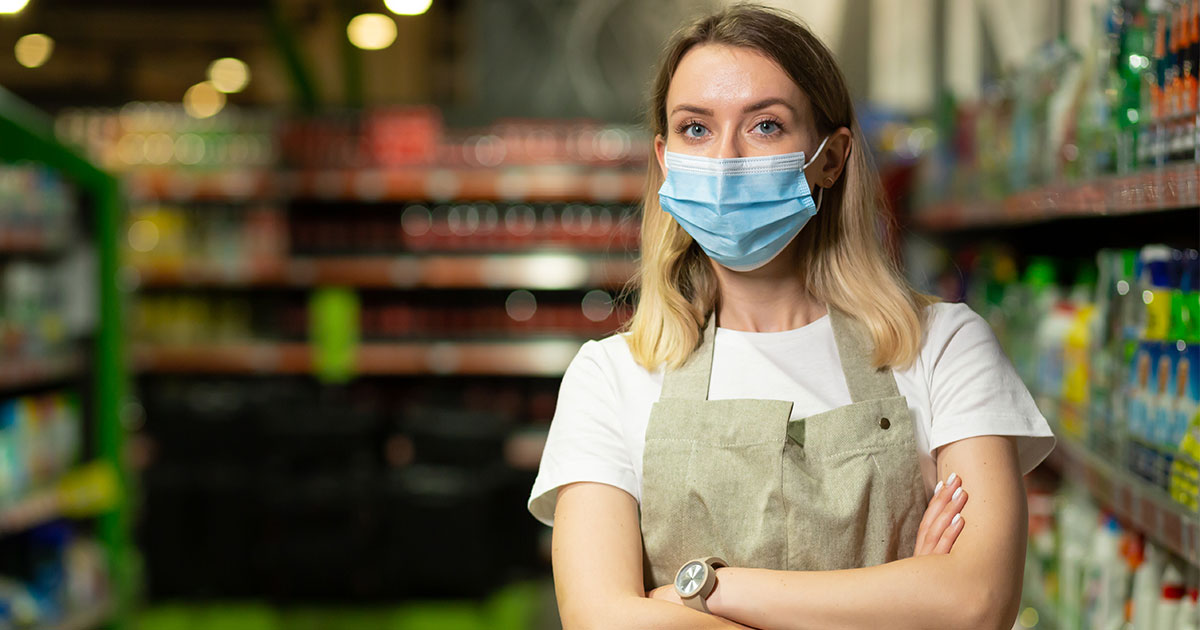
(948, 322)
(947, 317)
(609, 359)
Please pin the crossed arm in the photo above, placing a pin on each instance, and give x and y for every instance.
(597, 558)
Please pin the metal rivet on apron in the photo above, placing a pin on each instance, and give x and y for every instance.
(884, 423)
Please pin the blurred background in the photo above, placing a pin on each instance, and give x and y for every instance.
(287, 287)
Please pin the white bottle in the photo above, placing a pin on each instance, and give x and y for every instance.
(1146, 587)
(1167, 615)
(1103, 578)
(1189, 614)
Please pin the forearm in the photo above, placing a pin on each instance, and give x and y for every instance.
(936, 591)
(636, 613)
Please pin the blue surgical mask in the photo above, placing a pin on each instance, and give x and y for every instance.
(742, 211)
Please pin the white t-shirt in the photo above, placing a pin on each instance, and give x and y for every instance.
(961, 385)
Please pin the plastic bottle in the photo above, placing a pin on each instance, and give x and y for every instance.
(1147, 587)
(1107, 579)
(1166, 617)
(1189, 614)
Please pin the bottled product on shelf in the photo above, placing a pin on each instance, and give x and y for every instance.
(1086, 570)
(1112, 357)
(33, 317)
(188, 318)
(451, 254)
(173, 238)
(67, 583)
(41, 438)
(163, 135)
(1124, 103)
(35, 209)
(466, 227)
(37, 223)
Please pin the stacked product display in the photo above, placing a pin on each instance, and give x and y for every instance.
(1074, 121)
(1107, 346)
(1100, 574)
(58, 562)
(1110, 359)
(378, 320)
(1083, 169)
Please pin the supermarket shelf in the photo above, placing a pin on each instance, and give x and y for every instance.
(546, 183)
(41, 507)
(531, 271)
(539, 357)
(15, 242)
(20, 373)
(84, 619)
(1147, 508)
(1171, 188)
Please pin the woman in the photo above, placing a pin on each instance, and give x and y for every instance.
(762, 444)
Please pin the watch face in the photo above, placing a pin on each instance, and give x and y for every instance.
(691, 578)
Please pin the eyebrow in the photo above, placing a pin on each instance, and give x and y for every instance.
(753, 107)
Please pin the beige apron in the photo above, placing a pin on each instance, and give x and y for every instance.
(740, 480)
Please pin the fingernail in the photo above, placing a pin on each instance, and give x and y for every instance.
(956, 494)
(956, 519)
(937, 488)
(951, 478)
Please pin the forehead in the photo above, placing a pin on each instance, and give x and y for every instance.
(714, 76)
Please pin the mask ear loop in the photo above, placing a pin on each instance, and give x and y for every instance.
(809, 161)
(820, 196)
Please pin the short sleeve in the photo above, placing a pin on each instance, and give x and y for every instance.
(975, 390)
(586, 441)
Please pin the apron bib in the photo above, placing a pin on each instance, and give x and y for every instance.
(739, 479)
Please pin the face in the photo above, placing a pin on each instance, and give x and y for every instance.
(726, 102)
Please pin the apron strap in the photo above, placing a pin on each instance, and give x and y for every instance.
(855, 346)
(691, 380)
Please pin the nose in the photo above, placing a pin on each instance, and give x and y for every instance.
(729, 146)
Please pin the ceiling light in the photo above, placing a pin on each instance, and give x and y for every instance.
(203, 100)
(407, 7)
(371, 31)
(33, 50)
(229, 75)
(12, 6)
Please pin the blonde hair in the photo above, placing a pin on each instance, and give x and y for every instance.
(841, 253)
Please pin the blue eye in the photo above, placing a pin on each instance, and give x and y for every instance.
(767, 127)
(694, 130)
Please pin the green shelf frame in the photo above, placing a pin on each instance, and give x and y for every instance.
(27, 134)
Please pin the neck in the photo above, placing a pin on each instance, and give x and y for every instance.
(769, 299)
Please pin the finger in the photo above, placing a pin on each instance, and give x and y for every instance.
(946, 542)
(941, 496)
(941, 521)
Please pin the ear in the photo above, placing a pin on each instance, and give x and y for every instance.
(829, 165)
(660, 148)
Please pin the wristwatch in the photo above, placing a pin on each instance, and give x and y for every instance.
(696, 580)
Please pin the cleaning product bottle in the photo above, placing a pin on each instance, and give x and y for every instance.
(1189, 614)
(1147, 586)
(1039, 285)
(1155, 284)
(1121, 349)
(1166, 617)
(1077, 347)
(1107, 578)
(1077, 524)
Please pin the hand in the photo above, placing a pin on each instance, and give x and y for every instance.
(667, 593)
(939, 528)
